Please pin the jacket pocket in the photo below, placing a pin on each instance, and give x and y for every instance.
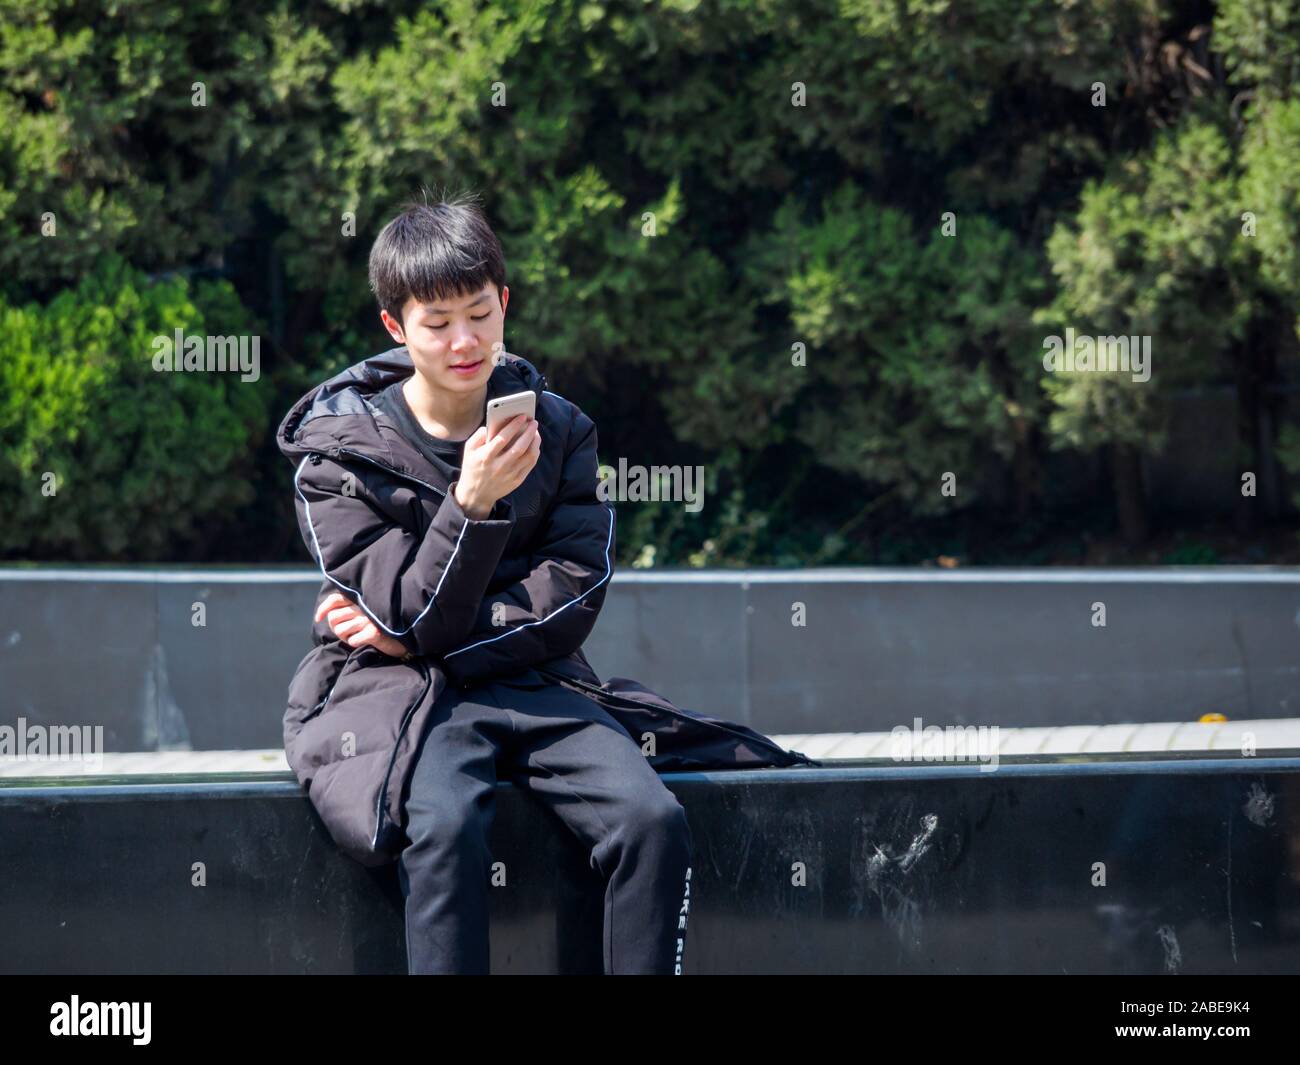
(353, 655)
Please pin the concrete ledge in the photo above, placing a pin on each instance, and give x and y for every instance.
(857, 869)
(1280, 736)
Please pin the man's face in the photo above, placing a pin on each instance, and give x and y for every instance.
(453, 332)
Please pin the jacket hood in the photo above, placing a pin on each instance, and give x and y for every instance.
(338, 414)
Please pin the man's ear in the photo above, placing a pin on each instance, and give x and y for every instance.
(505, 297)
(393, 326)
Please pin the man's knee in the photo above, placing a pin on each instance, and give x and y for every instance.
(656, 814)
(449, 822)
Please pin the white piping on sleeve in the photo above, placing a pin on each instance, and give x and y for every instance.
(575, 599)
(320, 561)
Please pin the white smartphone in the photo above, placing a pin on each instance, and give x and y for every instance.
(503, 408)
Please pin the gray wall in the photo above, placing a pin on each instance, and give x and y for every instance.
(879, 647)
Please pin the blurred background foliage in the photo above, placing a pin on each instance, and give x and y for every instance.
(801, 323)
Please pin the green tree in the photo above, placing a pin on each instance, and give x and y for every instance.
(1155, 251)
(138, 460)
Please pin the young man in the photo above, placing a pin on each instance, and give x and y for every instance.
(462, 572)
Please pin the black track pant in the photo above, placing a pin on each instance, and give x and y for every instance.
(567, 752)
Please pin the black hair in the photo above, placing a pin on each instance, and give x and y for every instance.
(435, 251)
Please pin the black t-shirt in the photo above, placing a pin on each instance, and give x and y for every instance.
(444, 455)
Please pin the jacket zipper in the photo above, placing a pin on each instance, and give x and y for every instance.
(594, 691)
(392, 758)
(334, 453)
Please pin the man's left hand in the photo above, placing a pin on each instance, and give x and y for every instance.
(351, 626)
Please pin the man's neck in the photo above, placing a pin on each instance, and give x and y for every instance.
(450, 415)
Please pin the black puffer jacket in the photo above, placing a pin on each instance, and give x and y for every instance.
(471, 600)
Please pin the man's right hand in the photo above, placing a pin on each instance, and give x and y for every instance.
(494, 466)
